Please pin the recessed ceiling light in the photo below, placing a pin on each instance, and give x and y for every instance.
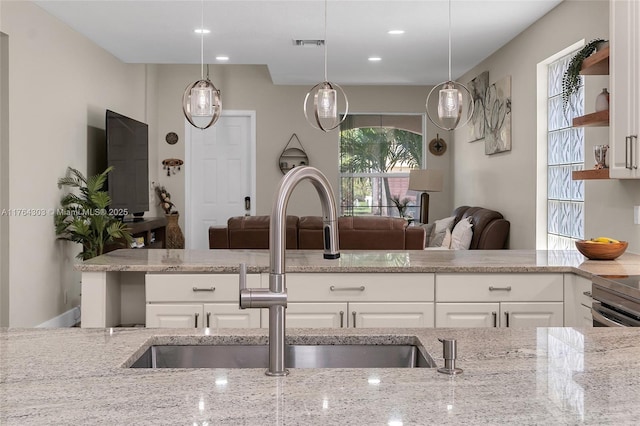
(201, 31)
(395, 32)
(375, 58)
(222, 58)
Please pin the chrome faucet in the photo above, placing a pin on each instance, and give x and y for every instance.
(275, 298)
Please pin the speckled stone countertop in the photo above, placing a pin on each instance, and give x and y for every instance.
(226, 261)
(511, 376)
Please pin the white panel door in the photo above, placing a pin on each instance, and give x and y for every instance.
(397, 315)
(174, 315)
(467, 314)
(229, 315)
(220, 173)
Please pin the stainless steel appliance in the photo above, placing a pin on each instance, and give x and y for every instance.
(616, 300)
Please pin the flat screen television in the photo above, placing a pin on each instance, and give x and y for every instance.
(128, 153)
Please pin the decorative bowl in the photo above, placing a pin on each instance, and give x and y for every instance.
(601, 251)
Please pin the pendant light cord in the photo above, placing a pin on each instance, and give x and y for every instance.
(325, 40)
(202, 40)
(449, 40)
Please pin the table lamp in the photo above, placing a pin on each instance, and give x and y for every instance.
(425, 180)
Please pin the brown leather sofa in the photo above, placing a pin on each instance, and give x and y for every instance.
(355, 233)
(490, 228)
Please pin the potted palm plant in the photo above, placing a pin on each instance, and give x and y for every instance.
(84, 217)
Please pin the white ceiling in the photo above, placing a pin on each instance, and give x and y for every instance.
(262, 32)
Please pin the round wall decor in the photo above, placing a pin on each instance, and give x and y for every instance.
(171, 138)
(437, 146)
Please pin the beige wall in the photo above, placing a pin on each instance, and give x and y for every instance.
(61, 84)
(278, 115)
(507, 181)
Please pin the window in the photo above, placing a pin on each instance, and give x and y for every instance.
(376, 154)
(565, 153)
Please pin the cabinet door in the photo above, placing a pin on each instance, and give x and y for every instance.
(174, 315)
(576, 298)
(467, 314)
(312, 315)
(623, 110)
(397, 315)
(514, 314)
(229, 315)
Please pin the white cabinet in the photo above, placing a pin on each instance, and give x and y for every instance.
(198, 300)
(499, 300)
(624, 28)
(577, 301)
(358, 300)
(502, 314)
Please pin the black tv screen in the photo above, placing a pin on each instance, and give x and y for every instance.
(128, 153)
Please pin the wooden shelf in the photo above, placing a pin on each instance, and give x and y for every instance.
(596, 64)
(599, 118)
(590, 174)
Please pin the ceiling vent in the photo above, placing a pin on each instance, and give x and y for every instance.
(308, 43)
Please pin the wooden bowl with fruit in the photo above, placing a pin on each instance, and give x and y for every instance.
(601, 248)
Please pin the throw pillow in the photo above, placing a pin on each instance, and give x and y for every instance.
(439, 231)
(446, 241)
(462, 234)
(428, 230)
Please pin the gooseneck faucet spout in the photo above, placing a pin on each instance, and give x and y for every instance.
(275, 298)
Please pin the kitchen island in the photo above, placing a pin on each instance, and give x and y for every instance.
(511, 376)
(113, 289)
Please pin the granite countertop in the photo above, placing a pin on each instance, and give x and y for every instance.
(458, 261)
(511, 376)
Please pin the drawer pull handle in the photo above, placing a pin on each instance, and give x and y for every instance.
(586, 306)
(341, 319)
(196, 289)
(354, 318)
(196, 319)
(495, 318)
(492, 288)
(587, 293)
(334, 288)
(208, 318)
(506, 314)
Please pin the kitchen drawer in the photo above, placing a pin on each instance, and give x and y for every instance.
(357, 287)
(499, 287)
(180, 287)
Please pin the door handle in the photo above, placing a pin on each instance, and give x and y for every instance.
(196, 320)
(196, 289)
(354, 318)
(627, 152)
(506, 314)
(495, 319)
(341, 319)
(334, 288)
(633, 164)
(247, 203)
(208, 318)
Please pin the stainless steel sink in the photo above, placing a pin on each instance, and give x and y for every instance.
(296, 356)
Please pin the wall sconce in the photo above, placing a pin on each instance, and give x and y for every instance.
(171, 164)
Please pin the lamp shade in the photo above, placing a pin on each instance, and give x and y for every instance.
(425, 180)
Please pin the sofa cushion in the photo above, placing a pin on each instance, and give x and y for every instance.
(252, 232)
(356, 233)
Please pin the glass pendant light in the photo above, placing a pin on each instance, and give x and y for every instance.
(201, 101)
(453, 99)
(325, 97)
